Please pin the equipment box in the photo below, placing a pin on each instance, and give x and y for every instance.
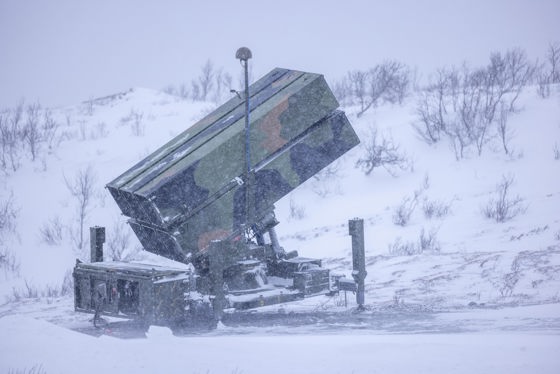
(147, 292)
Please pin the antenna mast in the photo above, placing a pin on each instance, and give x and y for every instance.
(243, 54)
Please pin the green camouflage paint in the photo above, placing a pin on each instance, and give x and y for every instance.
(192, 190)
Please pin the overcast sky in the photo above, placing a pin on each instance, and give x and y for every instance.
(62, 52)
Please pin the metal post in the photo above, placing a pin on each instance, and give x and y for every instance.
(96, 240)
(359, 273)
(216, 260)
(247, 113)
(275, 243)
(244, 54)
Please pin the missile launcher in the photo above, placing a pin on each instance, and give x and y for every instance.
(206, 199)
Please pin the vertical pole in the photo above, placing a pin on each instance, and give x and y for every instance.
(247, 112)
(248, 181)
(96, 240)
(356, 230)
(275, 243)
(244, 54)
(216, 253)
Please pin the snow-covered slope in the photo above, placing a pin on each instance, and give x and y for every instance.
(517, 260)
(480, 263)
(107, 136)
(480, 260)
(41, 347)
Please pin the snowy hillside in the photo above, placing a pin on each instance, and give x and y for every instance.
(475, 253)
(446, 256)
(101, 138)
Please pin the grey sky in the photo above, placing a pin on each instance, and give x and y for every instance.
(62, 52)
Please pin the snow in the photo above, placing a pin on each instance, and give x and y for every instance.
(57, 349)
(487, 302)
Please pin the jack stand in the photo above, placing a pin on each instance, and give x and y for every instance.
(217, 266)
(359, 273)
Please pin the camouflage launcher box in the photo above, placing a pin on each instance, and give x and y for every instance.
(192, 190)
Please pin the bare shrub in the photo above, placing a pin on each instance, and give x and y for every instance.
(210, 85)
(403, 212)
(435, 208)
(134, 119)
(52, 232)
(508, 284)
(502, 207)
(510, 279)
(385, 82)
(204, 83)
(67, 285)
(327, 182)
(118, 241)
(556, 151)
(553, 59)
(432, 107)
(89, 106)
(136, 125)
(475, 106)
(11, 137)
(195, 91)
(8, 216)
(427, 242)
(99, 131)
(509, 73)
(550, 71)
(467, 104)
(504, 132)
(183, 91)
(493, 91)
(425, 182)
(4, 127)
(8, 260)
(543, 86)
(81, 187)
(222, 83)
(83, 130)
(401, 248)
(343, 92)
(170, 89)
(206, 79)
(31, 291)
(297, 212)
(357, 82)
(49, 129)
(31, 130)
(388, 82)
(35, 369)
(385, 154)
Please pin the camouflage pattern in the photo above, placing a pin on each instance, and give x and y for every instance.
(192, 190)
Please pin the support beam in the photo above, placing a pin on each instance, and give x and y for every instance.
(96, 240)
(359, 273)
(216, 261)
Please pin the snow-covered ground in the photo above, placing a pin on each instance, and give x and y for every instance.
(507, 340)
(487, 301)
